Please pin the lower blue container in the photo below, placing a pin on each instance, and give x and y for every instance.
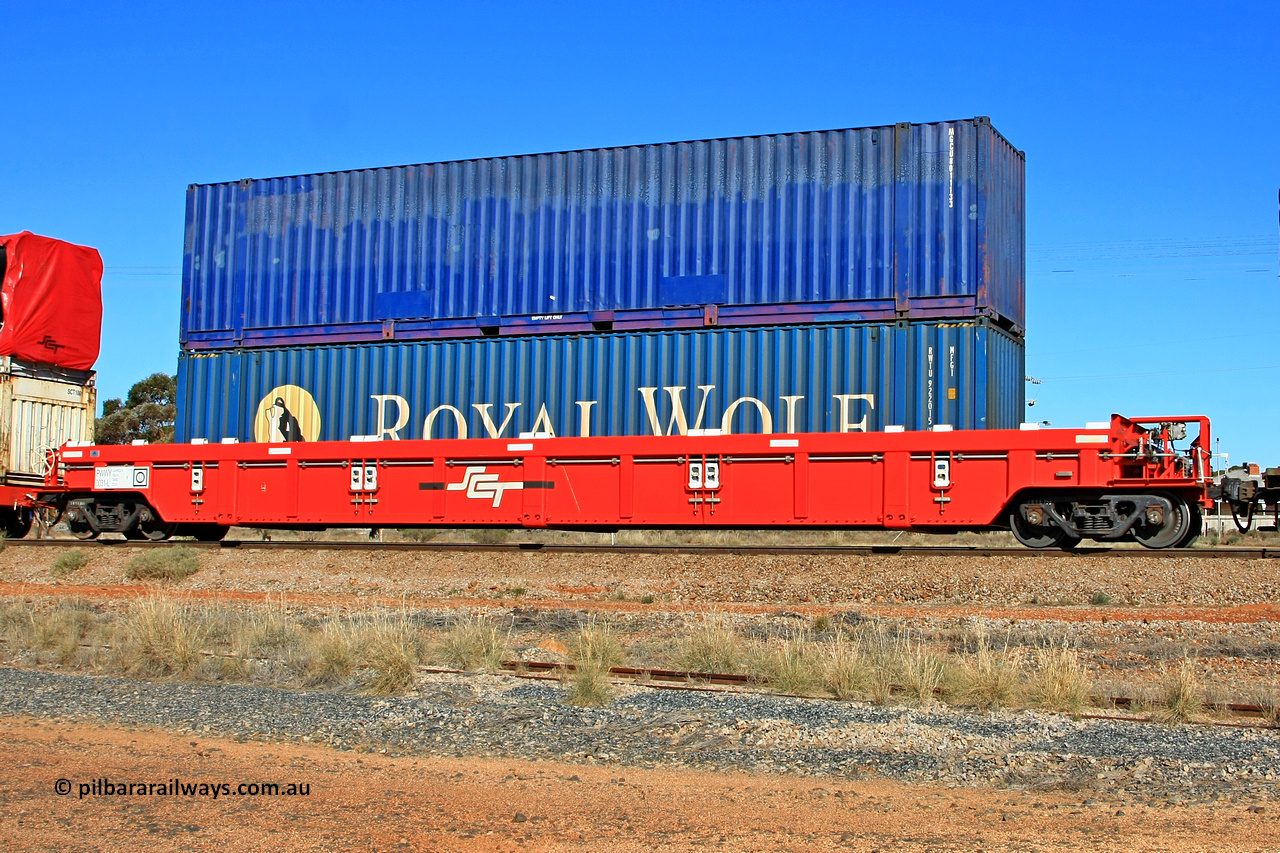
(817, 378)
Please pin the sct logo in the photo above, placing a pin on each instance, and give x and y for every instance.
(478, 484)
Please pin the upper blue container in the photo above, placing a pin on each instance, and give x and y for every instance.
(920, 221)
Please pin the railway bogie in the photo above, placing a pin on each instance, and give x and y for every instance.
(1050, 487)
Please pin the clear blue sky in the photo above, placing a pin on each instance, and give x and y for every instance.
(1152, 134)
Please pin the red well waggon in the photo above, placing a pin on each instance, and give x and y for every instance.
(1050, 487)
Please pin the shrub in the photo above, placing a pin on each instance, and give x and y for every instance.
(163, 564)
(490, 536)
(69, 562)
(1101, 598)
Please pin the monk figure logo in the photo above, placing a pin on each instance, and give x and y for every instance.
(483, 486)
(287, 413)
(286, 422)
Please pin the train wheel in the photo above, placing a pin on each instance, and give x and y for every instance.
(79, 515)
(1037, 537)
(1243, 517)
(150, 526)
(1196, 528)
(1176, 526)
(78, 525)
(154, 529)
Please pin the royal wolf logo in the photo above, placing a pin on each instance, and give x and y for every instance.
(479, 484)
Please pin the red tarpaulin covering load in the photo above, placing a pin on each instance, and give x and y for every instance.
(52, 301)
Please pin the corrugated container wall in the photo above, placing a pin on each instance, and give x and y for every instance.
(41, 407)
(815, 378)
(921, 221)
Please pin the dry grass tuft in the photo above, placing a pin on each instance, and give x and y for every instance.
(595, 650)
(1058, 682)
(390, 648)
(794, 666)
(472, 643)
(1182, 695)
(163, 564)
(15, 626)
(587, 686)
(269, 634)
(61, 629)
(712, 646)
(335, 654)
(69, 562)
(160, 638)
(596, 644)
(882, 654)
(920, 671)
(1269, 700)
(986, 679)
(846, 672)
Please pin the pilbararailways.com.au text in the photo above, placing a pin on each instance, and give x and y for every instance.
(104, 787)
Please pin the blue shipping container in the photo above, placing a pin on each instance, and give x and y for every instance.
(815, 378)
(919, 221)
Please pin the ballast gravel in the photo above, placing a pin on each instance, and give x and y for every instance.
(502, 716)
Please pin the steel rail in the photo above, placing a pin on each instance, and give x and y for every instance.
(1229, 553)
(680, 680)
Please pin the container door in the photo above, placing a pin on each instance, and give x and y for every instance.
(44, 415)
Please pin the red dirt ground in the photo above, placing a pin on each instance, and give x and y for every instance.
(375, 802)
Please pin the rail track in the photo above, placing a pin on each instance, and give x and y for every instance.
(1230, 713)
(1223, 553)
